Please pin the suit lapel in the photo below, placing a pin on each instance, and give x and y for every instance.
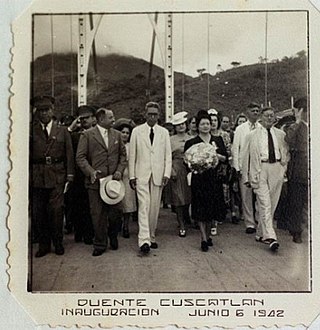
(54, 131)
(146, 135)
(98, 137)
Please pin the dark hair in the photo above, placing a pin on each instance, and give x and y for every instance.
(85, 109)
(125, 125)
(152, 105)
(191, 118)
(253, 105)
(301, 103)
(218, 117)
(202, 114)
(267, 108)
(100, 114)
(240, 115)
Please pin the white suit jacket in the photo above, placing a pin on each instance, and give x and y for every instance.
(238, 145)
(146, 160)
(251, 165)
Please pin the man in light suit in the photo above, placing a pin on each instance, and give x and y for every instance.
(237, 151)
(101, 153)
(264, 168)
(149, 170)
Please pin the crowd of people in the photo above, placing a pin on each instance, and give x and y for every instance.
(94, 174)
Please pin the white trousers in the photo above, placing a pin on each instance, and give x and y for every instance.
(268, 194)
(149, 198)
(247, 205)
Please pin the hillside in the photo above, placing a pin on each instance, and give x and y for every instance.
(121, 85)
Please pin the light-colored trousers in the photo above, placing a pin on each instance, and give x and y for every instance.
(268, 194)
(247, 205)
(149, 199)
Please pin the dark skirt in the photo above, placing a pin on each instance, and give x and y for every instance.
(207, 203)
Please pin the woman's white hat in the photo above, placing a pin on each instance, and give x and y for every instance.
(212, 111)
(111, 191)
(179, 118)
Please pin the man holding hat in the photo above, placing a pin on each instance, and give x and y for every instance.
(149, 171)
(101, 156)
(52, 165)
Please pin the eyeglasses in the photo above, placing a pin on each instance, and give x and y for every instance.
(255, 110)
(152, 114)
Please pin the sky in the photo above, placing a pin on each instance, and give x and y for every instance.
(233, 36)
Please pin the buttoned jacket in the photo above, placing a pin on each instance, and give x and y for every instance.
(93, 154)
(251, 165)
(52, 159)
(146, 160)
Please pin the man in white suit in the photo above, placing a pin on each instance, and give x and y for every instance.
(264, 168)
(149, 171)
(237, 150)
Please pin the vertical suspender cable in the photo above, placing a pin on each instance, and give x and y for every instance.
(151, 57)
(52, 57)
(182, 76)
(266, 63)
(208, 59)
(71, 66)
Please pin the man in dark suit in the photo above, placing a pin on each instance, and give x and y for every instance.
(101, 153)
(297, 196)
(79, 209)
(52, 165)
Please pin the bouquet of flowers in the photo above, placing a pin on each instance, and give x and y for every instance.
(201, 157)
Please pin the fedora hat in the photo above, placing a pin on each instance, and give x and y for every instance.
(111, 191)
(179, 118)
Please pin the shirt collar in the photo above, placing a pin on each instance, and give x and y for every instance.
(102, 130)
(48, 126)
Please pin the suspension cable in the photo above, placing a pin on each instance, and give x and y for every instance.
(71, 66)
(208, 59)
(182, 77)
(52, 57)
(266, 63)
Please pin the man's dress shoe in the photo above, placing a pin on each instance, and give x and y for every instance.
(154, 245)
(97, 252)
(42, 252)
(145, 248)
(59, 250)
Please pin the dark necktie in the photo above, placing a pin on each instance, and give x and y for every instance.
(45, 132)
(151, 135)
(272, 155)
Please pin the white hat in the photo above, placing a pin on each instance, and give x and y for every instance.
(212, 111)
(111, 191)
(179, 118)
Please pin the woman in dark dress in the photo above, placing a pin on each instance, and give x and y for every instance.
(207, 200)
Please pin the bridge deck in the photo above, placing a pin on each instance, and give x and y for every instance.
(236, 263)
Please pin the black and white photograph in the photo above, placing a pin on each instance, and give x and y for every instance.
(201, 80)
(167, 160)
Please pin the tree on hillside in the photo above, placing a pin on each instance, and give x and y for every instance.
(235, 64)
(200, 72)
(302, 54)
